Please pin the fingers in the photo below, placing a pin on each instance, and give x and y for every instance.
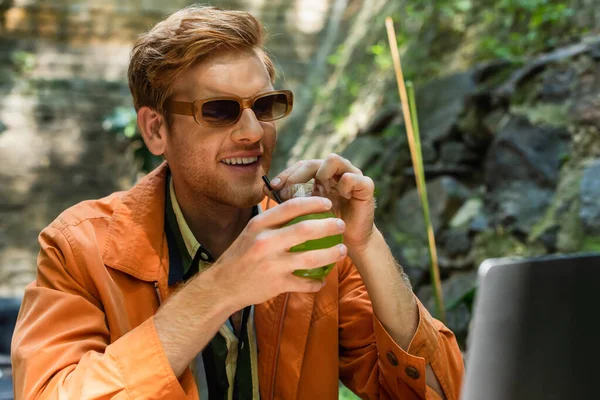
(327, 172)
(278, 216)
(334, 166)
(300, 232)
(317, 258)
(355, 186)
(301, 172)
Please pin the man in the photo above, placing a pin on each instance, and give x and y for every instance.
(182, 287)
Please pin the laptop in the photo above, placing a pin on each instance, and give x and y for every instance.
(535, 331)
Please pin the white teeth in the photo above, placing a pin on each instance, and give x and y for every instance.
(239, 160)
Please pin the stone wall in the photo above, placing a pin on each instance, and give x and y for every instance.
(511, 156)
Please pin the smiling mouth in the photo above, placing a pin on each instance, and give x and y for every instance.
(241, 161)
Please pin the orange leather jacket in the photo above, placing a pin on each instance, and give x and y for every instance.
(86, 329)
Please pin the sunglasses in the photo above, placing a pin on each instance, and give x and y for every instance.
(223, 111)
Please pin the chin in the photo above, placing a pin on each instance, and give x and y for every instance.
(241, 198)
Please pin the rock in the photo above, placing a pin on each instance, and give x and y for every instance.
(410, 250)
(436, 170)
(493, 121)
(363, 151)
(590, 199)
(440, 104)
(522, 151)
(467, 213)
(428, 153)
(382, 119)
(521, 171)
(454, 248)
(455, 242)
(454, 153)
(549, 238)
(385, 168)
(458, 293)
(544, 114)
(461, 262)
(519, 205)
(479, 224)
(561, 228)
(586, 110)
(557, 84)
(495, 244)
(417, 274)
(446, 195)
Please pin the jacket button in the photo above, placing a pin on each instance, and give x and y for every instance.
(412, 372)
(392, 358)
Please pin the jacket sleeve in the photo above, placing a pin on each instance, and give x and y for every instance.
(373, 366)
(61, 345)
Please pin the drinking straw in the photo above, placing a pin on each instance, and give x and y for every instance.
(273, 192)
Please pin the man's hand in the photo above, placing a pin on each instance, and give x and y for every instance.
(255, 268)
(258, 265)
(352, 193)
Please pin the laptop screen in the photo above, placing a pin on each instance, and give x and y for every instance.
(534, 333)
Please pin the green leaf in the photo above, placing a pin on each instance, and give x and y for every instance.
(129, 131)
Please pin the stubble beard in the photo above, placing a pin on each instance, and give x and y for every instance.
(237, 196)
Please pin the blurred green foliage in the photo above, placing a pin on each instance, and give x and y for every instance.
(123, 122)
(525, 27)
(23, 61)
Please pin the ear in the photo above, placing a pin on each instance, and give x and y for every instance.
(154, 130)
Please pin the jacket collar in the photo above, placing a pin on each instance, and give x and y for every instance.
(135, 242)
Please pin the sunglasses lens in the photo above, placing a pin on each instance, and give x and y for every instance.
(220, 112)
(270, 107)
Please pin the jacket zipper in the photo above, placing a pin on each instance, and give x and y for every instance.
(157, 292)
(287, 295)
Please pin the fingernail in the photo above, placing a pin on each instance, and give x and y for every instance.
(327, 202)
(341, 224)
(343, 250)
(275, 182)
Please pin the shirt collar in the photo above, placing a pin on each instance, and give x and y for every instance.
(191, 244)
(184, 248)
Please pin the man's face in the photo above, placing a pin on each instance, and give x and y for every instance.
(196, 153)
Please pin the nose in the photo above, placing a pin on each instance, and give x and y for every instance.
(249, 128)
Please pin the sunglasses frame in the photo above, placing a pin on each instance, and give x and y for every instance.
(192, 108)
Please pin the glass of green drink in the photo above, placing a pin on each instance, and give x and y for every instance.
(306, 189)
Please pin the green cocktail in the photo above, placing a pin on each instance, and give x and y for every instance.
(322, 243)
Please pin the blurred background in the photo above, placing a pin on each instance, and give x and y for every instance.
(507, 92)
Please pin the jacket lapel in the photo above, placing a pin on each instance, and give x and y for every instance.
(267, 319)
(293, 343)
(282, 332)
(282, 326)
(135, 242)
